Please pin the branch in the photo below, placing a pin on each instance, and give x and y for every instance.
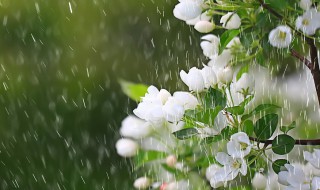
(315, 71)
(298, 141)
(275, 13)
(303, 59)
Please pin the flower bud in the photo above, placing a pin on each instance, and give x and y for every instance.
(230, 21)
(204, 26)
(245, 84)
(187, 10)
(134, 127)
(305, 4)
(142, 183)
(225, 75)
(127, 147)
(259, 181)
(171, 160)
(194, 79)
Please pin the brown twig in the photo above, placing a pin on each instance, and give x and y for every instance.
(302, 58)
(298, 141)
(315, 71)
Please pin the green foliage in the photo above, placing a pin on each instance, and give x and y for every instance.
(243, 69)
(176, 172)
(239, 110)
(226, 37)
(248, 127)
(235, 110)
(283, 144)
(276, 165)
(286, 129)
(224, 135)
(214, 98)
(261, 109)
(265, 126)
(133, 90)
(186, 133)
(144, 157)
(208, 115)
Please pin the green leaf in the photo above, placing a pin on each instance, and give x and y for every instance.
(133, 90)
(286, 129)
(246, 101)
(283, 144)
(276, 165)
(236, 110)
(143, 157)
(214, 98)
(265, 126)
(185, 133)
(248, 127)
(209, 140)
(244, 69)
(278, 4)
(226, 37)
(205, 161)
(224, 134)
(176, 172)
(208, 116)
(262, 108)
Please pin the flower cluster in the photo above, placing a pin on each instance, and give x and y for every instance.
(193, 12)
(216, 128)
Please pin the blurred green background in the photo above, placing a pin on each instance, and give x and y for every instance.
(61, 104)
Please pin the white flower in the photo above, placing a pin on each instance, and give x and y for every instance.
(204, 26)
(151, 112)
(186, 100)
(222, 60)
(142, 183)
(313, 158)
(315, 184)
(230, 21)
(259, 181)
(245, 84)
(210, 45)
(280, 37)
(153, 95)
(173, 112)
(134, 127)
(230, 170)
(203, 17)
(309, 22)
(211, 170)
(127, 147)
(239, 145)
(209, 76)
(187, 10)
(305, 4)
(294, 178)
(171, 160)
(194, 79)
(225, 75)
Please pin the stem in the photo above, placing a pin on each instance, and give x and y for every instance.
(298, 141)
(315, 71)
(313, 65)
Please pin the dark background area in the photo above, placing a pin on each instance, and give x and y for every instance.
(61, 104)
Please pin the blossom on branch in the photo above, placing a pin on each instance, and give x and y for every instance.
(280, 37)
